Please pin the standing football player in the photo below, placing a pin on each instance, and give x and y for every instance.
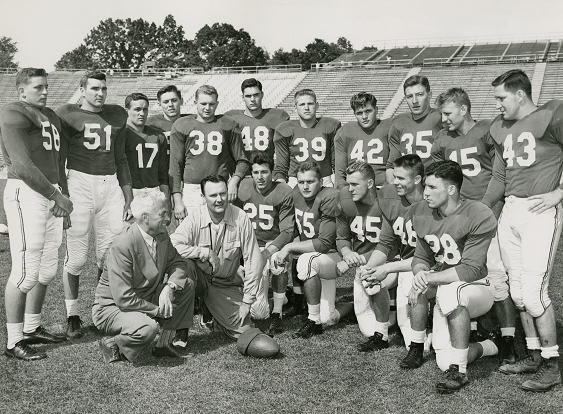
(527, 171)
(203, 145)
(414, 132)
(94, 155)
(269, 205)
(469, 143)
(308, 139)
(170, 100)
(30, 142)
(365, 139)
(258, 123)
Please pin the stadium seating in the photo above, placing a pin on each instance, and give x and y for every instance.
(552, 86)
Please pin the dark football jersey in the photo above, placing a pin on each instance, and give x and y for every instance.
(396, 228)
(352, 143)
(413, 136)
(258, 133)
(316, 218)
(272, 214)
(147, 158)
(358, 225)
(96, 141)
(163, 125)
(295, 144)
(198, 149)
(30, 140)
(460, 240)
(475, 154)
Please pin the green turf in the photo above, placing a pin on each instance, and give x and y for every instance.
(324, 374)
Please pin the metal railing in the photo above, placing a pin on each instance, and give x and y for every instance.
(483, 60)
(361, 64)
(255, 69)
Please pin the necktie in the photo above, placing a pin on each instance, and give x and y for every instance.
(153, 251)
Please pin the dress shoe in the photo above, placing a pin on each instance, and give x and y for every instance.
(110, 353)
(168, 351)
(24, 352)
(41, 336)
(181, 338)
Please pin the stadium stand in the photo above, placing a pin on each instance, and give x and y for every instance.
(552, 85)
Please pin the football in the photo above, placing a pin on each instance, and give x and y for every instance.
(257, 344)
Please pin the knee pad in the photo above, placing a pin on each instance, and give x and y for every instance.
(534, 304)
(306, 266)
(516, 295)
(25, 285)
(501, 290)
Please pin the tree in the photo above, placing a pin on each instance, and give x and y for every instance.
(344, 45)
(78, 58)
(8, 50)
(172, 48)
(281, 57)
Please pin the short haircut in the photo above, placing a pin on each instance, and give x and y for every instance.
(213, 178)
(24, 75)
(410, 162)
(135, 96)
(515, 80)
(309, 166)
(144, 201)
(251, 83)
(92, 74)
(207, 90)
(455, 95)
(166, 89)
(363, 168)
(305, 92)
(449, 171)
(360, 100)
(262, 158)
(417, 80)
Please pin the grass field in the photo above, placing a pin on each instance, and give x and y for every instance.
(322, 375)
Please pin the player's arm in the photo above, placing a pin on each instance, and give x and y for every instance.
(286, 216)
(340, 160)
(437, 151)
(496, 188)
(176, 169)
(394, 152)
(281, 147)
(123, 173)
(344, 239)
(239, 156)
(330, 145)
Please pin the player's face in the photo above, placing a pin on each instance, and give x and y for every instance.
(404, 181)
(358, 186)
(206, 106)
(306, 107)
(418, 99)
(216, 197)
(170, 104)
(436, 192)
(453, 115)
(35, 92)
(508, 103)
(253, 98)
(309, 184)
(157, 219)
(262, 176)
(138, 112)
(95, 93)
(366, 116)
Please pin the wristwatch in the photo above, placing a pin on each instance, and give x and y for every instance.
(173, 286)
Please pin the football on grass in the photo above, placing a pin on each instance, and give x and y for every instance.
(256, 344)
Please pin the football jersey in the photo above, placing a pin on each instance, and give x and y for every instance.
(272, 214)
(460, 240)
(96, 141)
(475, 154)
(358, 225)
(147, 157)
(316, 218)
(396, 228)
(529, 153)
(198, 149)
(258, 133)
(413, 136)
(295, 144)
(352, 142)
(30, 141)
(163, 125)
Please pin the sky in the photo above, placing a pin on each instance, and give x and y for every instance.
(45, 30)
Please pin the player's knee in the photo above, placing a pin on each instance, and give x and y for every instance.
(443, 359)
(535, 305)
(75, 264)
(45, 278)
(306, 266)
(516, 295)
(24, 285)
(501, 291)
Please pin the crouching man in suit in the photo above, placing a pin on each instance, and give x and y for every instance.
(145, 282)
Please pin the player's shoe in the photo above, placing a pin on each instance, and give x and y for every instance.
(478, 335)
(507, 353)
(181, 338)
(41, 336)
(527, 365)
(545, 378)
(24, 352)
(454, 380)
(74, 327)
(308, 330)
(374, 343)
(414, 358)
(169, 351)
(275, 326)
(297, 305)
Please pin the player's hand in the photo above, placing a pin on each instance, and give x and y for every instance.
(165, 299)
(232, 190)
(543, 202)
(375, 274)
(66, 223)
(265, 256)
(243, 311)
(213, 261)
(282, 257)
(180, 211)
(420, 281)
(353, 259)
(63, 205)
(342, 267)
(127, 214)
(413, 296)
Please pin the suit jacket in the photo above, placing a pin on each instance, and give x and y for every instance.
(131, 278)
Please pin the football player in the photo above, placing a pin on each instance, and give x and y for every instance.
(469, 143)
(527, 171)
(170, 100)
(30, 142)
(449, 263)
(315, 215)
(269, 205)
(94, 155)
(258, 123)
(203, 145)
(308, 139)
(414, 132)
(365, 139)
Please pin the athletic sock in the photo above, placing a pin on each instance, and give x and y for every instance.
(473, 325)
(15, 334)
(383, 329)
(31, 322)
(533, 343)
(459, 358)
(71, 307)
(507, 331)
(550, 352)
(418, 336)
(165, 338)
(278, 302)
(489, 348)
(315, 313)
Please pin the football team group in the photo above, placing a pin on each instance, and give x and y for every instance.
(439, 218)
